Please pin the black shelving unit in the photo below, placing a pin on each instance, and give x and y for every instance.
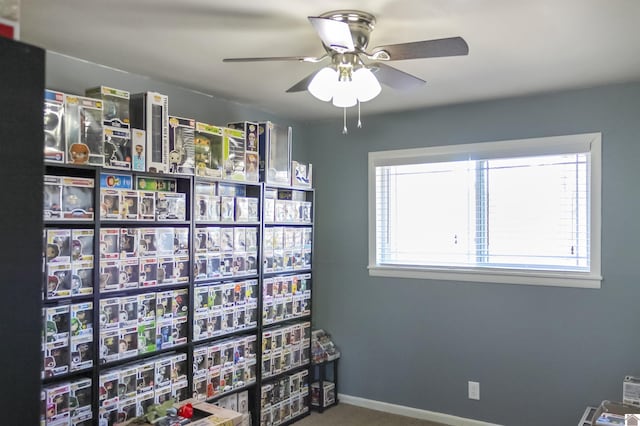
(292, 270)
(323, 372)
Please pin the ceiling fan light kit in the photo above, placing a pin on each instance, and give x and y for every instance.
(354, 75)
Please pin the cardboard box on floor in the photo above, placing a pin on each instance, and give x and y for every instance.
(217, 416)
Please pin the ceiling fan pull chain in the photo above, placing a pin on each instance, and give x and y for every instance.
(344, 121)
(359, 122)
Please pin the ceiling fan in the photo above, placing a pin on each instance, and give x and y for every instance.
(345, 36)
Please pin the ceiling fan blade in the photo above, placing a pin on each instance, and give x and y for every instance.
(303, 84)
(454, 46)
(275, 58)
(395, 78)
(334, 34)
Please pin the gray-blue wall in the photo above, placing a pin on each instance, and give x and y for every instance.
(541, 354)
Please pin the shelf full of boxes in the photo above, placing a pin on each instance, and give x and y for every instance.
(152, 254)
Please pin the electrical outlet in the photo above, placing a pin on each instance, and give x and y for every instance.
(474, 390)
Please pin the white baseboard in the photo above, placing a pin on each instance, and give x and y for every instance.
(415, 413)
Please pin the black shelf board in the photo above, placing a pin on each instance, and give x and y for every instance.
(142, 290)
(141, 357)
(202, 224)
(142, 223)
(321, 409)
(283, 186)
(72, 166)
(287, 273)
(229, 279)
(68, 376)
(234, 390)
(68, 300)
(89, 223)
(236, 333)
(276, 224)
(267, 327)
(286, 372)
(221, 180)
(326, 362)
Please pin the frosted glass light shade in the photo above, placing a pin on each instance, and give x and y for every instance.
(365, 84)
(345, 95)
(323, 84)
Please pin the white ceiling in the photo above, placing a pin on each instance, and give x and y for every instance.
(516, 47)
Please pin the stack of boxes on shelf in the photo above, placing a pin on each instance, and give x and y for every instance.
(182, 208)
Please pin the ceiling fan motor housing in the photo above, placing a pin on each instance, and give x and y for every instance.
(360, 24)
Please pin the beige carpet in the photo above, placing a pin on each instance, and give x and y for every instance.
(350, 415)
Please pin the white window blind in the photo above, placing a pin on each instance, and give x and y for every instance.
(498, 212)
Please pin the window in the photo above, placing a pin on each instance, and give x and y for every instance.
(522, 212)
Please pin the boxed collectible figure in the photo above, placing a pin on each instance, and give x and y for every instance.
(250, 131)
(138, 143)
(117, 148)
(115, 111)
(179, 368)
(301, 174)
(58, 280)
(54, 142)
(147, 337)
(166, 265)
(110, 313)
(52, 197)
(128, 243)
(84, 133)
(147, 242)
(127, 409)
(164, 336)
(146, 307)
(179, 330)
(82, 245)
(109, 347)
(58, 246)
(127, 383)
(146, 376)
(233, 154)
(80, 397)
(275, 153)
(109, 243)
(170, 206)
(81, 350)
(146, 205)
(163, 372)
(201, 326)
(149, 111)
(129, 205)
(181, 147)
(180, 391)
(109, 203)
(144, 401)
(109, 381)
(181, 241)
(148, 270)
(77, 198)
(57, 404)
(128, 343)
(81, 319)
(56, 358)
(164, 241)
(242, 209)
(209, 150)
(631, 391)
(227, 208)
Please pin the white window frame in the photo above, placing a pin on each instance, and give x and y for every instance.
(512, 148)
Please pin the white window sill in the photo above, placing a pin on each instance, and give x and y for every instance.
(541, 278)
